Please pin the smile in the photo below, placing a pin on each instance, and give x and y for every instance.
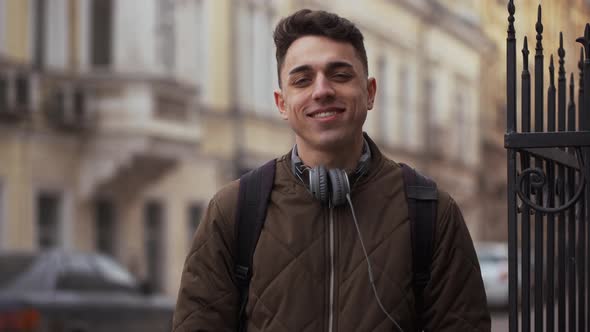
(323, 114)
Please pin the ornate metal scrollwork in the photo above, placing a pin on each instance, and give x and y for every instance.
(538, 179)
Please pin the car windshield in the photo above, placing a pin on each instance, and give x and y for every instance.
(91, 272)
(114, 272)
(62, 270)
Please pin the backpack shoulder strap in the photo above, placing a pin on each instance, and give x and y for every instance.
(422, 199)
(253, 196)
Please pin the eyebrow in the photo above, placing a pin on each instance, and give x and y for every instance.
(329, 67)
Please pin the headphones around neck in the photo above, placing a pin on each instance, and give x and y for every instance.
(329, 185)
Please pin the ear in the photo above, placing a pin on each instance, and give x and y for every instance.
(371, 91)
(280, 102)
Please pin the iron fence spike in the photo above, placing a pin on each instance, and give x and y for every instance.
(561, 50)
(561, 40)
(572, 88)
(539, 29)
(539, 25)
(551, 71)
(511, 10)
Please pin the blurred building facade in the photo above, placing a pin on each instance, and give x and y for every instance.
(100, 138)
(119, 119)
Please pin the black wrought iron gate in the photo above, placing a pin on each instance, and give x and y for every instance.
(548, 198)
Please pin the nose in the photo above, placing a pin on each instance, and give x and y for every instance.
(322, 88)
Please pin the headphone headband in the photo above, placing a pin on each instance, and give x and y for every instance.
(299, 169)
(329, 184)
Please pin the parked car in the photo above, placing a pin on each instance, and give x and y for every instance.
(60, 291)
(493, 261)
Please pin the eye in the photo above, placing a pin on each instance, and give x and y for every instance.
(341, 76)
(301, 81)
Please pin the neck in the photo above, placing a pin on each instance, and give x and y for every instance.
(342, 157)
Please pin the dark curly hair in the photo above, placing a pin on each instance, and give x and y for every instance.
(306, 22)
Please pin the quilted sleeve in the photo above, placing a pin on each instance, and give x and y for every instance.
(208, 297)
(455, 298)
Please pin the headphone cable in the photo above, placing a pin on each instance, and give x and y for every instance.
(369, 267)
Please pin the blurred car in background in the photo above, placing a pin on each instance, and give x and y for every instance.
(60, 291)
(493, 261)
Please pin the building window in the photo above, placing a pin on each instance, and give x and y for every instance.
(50, 33)
(16, 91)
(3, 92)
(460, 119)
(434, 135)
(404, 104)
(102, 32)
(2, 217)
(48, 219)
(244, 55)
(57, 32)
(384, 99)
(39, 23)
(254, 56)
(3, 47)
(105, 219)
(171, 108)
(166, 35)
(195, 213)
(200, 42)
(23, 92)
(154, 243)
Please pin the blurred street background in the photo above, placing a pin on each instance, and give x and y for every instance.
(119, 119)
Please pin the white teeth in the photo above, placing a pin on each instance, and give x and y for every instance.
(323, 114)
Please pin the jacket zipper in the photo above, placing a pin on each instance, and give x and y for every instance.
(331, 316)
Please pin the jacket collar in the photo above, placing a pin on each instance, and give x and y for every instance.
(376, 159)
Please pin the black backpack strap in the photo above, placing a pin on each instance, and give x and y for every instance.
(422, 198)
(255, 188)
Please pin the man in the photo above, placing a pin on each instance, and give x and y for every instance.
(309, 269)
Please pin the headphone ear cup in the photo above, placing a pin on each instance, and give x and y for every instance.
(318, 183)
(340, 186)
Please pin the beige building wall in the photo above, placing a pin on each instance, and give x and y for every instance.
(15, 186)
(217, 92)
(13, 170)
(18, 24)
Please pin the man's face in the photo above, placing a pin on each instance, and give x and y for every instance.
(325, 93)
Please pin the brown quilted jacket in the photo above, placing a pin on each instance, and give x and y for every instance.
(291, 284)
